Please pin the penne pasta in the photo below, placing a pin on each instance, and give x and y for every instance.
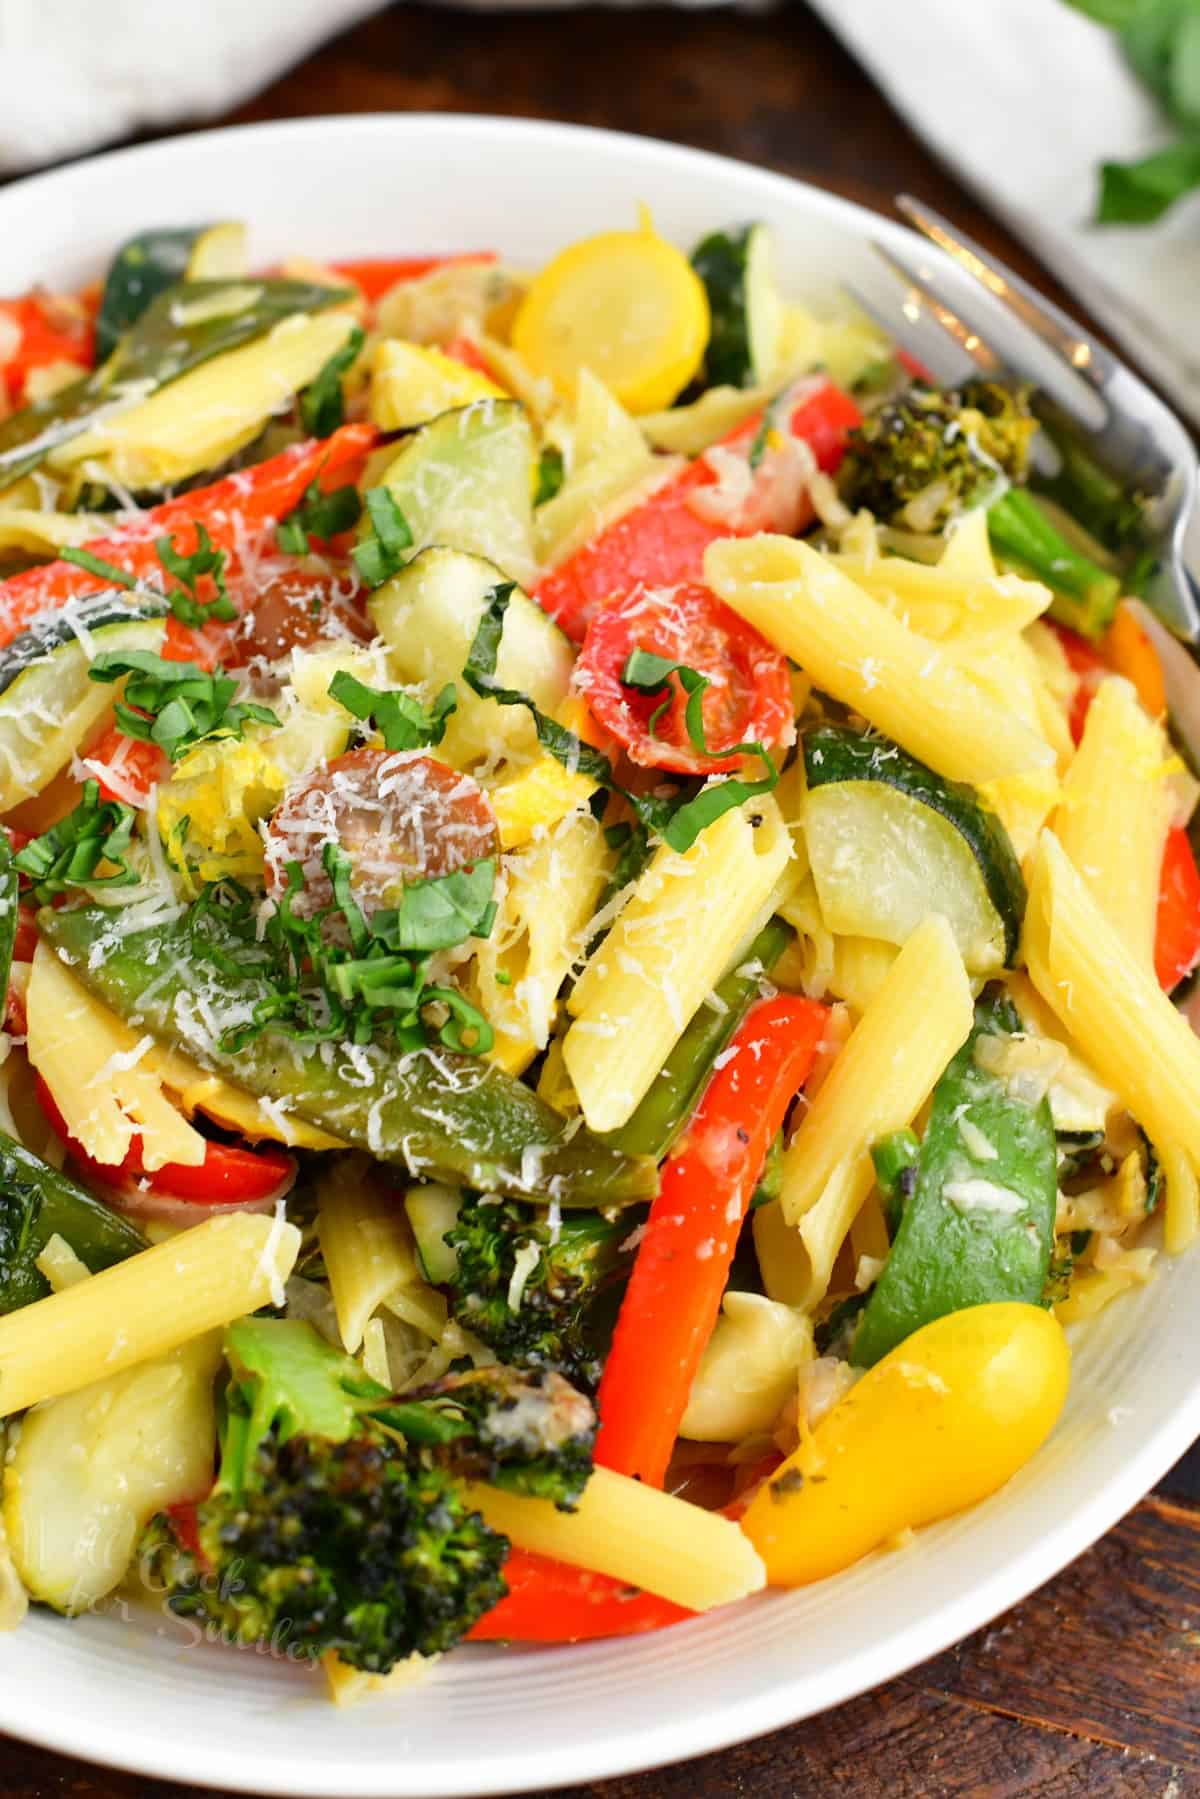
(366, 1244)
(636, 1534)
(854, 649)
(1116, 807)
(1111, 1003)
(919, 1017)
(143, 1307)
(1181, 1216)
(668, 948)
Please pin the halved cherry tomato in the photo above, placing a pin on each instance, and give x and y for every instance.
(661, 543)
(295, 609)
(1177, 931)
(36, 331)
(374, 275)
(228, 1176)
(749, 696)
(398, 817)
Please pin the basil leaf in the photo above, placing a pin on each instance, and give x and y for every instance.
(175, 704)
(189, 571)
(404, 722)
(70, 852)
(96, 565)
(381, 555)
(441, 912)
(551, 474)
(1137, 193)
(322, 404)
(319, 514)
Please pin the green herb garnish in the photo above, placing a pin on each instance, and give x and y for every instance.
(175, 704)
(322, 403)
(70, 852)
(319, 514)
(381, 555)
(404, 722)
(550, 475)
(184, 600)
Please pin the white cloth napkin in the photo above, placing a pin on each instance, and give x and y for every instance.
(76, 74)
(1023, 98)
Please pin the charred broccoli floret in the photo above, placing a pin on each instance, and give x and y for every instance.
(340, 1519)
(934, 452)
(525, 1284)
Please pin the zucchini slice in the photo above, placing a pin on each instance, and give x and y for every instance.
(428, 615)
(464, 480)
(890, 841)
(186, 325)
(432, 1211)
(47, 702)
(154, 260)
(737, 269)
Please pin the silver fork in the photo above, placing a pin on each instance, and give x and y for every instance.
(1135, 436)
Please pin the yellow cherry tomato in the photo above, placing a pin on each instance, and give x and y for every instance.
(937, 1425)
(628, 306)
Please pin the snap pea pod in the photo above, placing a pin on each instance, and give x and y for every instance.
(979, 1226)
(37, 1202)
(440, 1114)
(676, 1089)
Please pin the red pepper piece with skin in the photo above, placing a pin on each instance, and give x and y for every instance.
(244, 505)
(1177, 932)
(40, 334)
(661, 542)
(683, 1261)
(552, 1602)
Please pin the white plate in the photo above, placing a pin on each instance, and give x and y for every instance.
(141, 1694)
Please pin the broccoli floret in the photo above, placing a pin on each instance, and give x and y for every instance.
(933, 453)
(927, 457)
(340, 1519)
(526, 1285)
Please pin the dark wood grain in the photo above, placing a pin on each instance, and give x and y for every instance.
(1091, 1688)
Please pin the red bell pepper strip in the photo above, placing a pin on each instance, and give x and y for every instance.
(661, 543)
(374, 275)
(1089, 665)
(228, 1175)
(682, 1267)
(552, 1602)
(1177, 932)
(240, 506)
(44, 334)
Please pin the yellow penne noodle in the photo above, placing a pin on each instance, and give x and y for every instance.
(1110, 1002)
(1116, 807)
(908, 1033)
(552, 886)
(668, 948)
(45, 533)
(938, 601)
(1181, 1215)
(162, 1297)
(860, 967)
(365, 1241)
(105, 1042)
(854, 649)
(199, 420)
(348, 1685)
(636, 1534)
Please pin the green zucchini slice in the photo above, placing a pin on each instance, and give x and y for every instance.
(47, 702)
(154, 260)
(428, 615)
(889, 841)
(186, 325)
(737, 269)
(464, 480)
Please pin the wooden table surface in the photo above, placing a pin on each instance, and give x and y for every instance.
(1091, 1687)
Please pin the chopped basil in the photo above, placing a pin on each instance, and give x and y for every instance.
(205, 559)
(441, 912)
(381, 555)
(403, 721)
(322, 404)
(70, 852)
(551, 474)
(96, 565)
(175, 704)
(319, 514)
